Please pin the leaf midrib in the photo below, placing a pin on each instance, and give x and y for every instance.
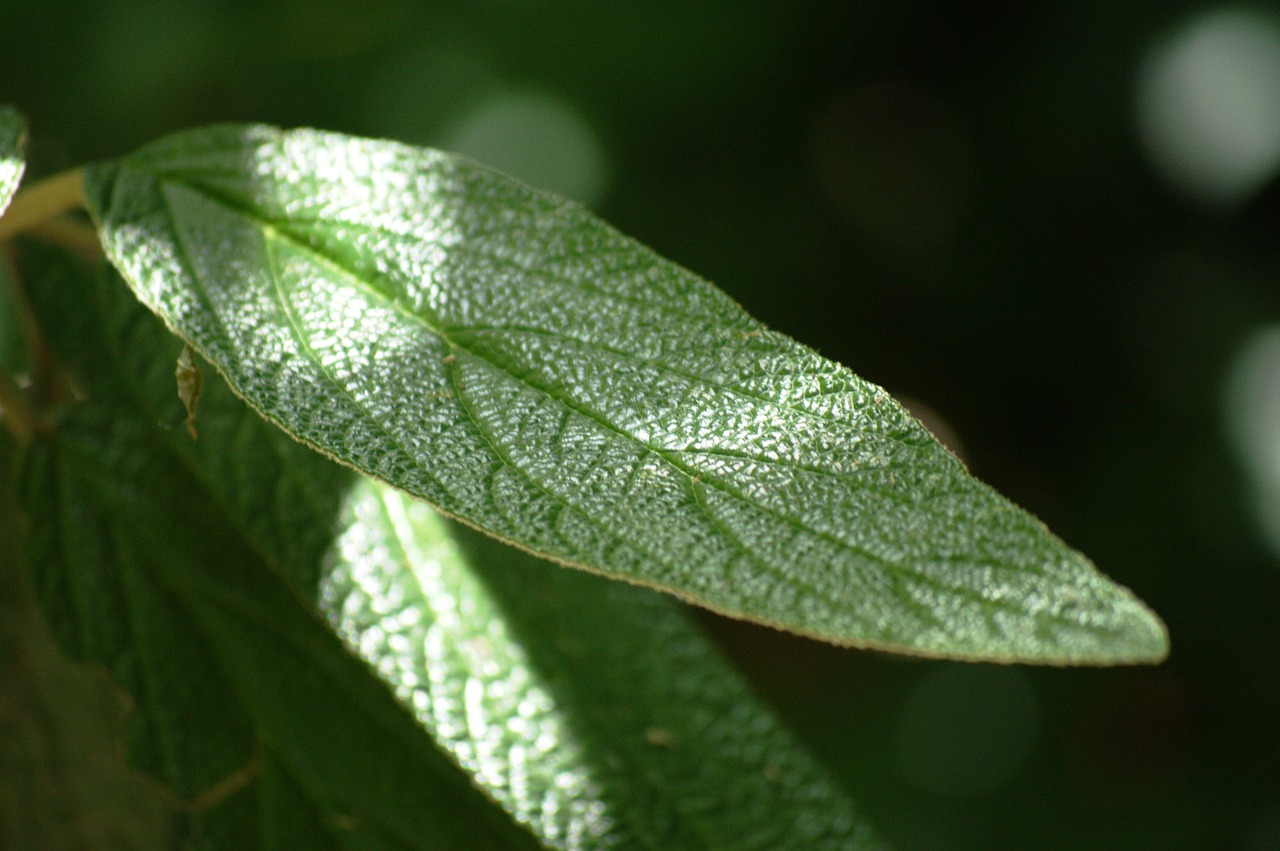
(599, 733)
(270, 231)
(284, 230)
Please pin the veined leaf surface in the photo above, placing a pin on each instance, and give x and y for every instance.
(595, 713)
(513, 360)
(12, 162)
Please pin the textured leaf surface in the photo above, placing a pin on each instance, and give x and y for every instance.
(592, 711)
(64, 782)
(147, 568)
(513, 360)
(12, 162)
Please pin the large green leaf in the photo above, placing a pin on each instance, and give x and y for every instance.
(513, 360)
(146, 568)
(594, 712)
(12, 161)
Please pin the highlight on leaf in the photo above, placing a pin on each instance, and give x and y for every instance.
(12, 162)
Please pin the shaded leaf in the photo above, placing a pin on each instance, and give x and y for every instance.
(64, 782)
(513, 360)
(594, 712)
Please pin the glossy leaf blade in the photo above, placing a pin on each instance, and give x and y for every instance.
(516, 362)
(594, 712)
(12, 161)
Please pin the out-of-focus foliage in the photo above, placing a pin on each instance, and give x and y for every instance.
(974, 208)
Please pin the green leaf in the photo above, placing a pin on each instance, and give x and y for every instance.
(594, 712)
(64, 783)
(509, 358)
(144, 568)
(12, 161)
(207, 615)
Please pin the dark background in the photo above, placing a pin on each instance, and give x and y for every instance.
(958, 203)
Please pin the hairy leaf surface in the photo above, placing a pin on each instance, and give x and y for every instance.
(511, 359)
(594, 712)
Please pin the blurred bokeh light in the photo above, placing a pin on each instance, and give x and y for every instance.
(1209, 104)
(538, 138)
(1253, 417)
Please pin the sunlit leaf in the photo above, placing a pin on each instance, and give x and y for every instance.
(594, 712)
(12, 162)
(511, 359)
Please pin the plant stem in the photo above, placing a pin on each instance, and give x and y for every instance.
(70, 234)
(42, 201)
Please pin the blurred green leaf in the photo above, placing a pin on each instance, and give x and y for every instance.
(143, 566)
(64, 782)
(513, 360)
(594, 712)
(12, 161)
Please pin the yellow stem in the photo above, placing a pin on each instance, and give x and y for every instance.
(69, 233)
(42, 201)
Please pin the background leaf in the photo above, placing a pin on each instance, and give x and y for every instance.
(144, 569)
(594, 712)
(64, 782)
(511, 359)
(12, 159)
